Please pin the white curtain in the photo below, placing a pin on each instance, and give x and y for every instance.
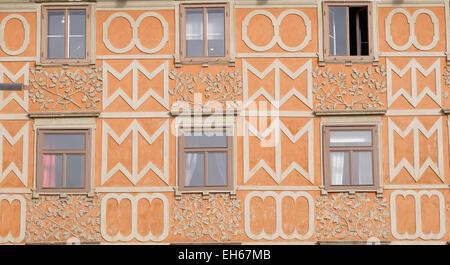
(337, 168)
(194, 25)
(191, 165)
(217, 168)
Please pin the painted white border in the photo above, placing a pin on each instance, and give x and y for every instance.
(135, 26)
(22, 133)
(135, 102)
(278, 197)
(277, 127)
(418, 214)
(134, 200)
(276, 66)
(414, 66)
(14, 95)
(26, 39)
(412, 40)
(416, 170)
(276, 22)
(9, 237)
(134, 129)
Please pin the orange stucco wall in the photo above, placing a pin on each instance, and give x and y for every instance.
(283, 200)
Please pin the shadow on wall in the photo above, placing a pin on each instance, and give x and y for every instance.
(121, 3)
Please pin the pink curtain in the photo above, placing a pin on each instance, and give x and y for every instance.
(49, 171)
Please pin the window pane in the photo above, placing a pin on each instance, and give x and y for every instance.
(52, 171)
(77, 34)
(340, 168)
(195, 169)
(217, 169)
(55, 47)
(351, 138)
(55, 34)
(216, 31)
(74, 170)
(64, 141)
(77, 47)
(337, 28)
(362, 168)
(194, 32)
(206, 139)
(77, 22)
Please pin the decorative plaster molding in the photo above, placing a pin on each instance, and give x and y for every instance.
(52, 218)
(217, 217)
(416, 170)
(279, 231)
(24, 71)
(414, 66)
(276, 22)
(12, 140)
(135, 101)
(351, 112)
(135, 41)
(134, 200)
(9, 237)
(418, 214)
(276, 66)
(135, 128)
(276, 127)
(26, 37)
(341, 216)
(366, 88)
(412, 40)
(59, 88)
(222, 88)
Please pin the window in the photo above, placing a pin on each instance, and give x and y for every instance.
(204, 33)
(205, 159)
(350, 157)
(65, 34)
(63, 160)
(348, 34)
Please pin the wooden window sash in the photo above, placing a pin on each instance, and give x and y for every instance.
(63, 152)
(44, 38)
(348, 57)
(205, 57)
(205, 150)
(328, 149)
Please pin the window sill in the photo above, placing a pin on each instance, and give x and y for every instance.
(351, 192)
(64, 64)
(61, 194)
(206, 62)
(205, 193)
(348, 61)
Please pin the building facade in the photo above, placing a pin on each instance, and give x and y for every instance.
(235, 121)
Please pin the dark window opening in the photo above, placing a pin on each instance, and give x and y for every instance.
(359, 34)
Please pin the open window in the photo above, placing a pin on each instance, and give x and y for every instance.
(347, 31)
